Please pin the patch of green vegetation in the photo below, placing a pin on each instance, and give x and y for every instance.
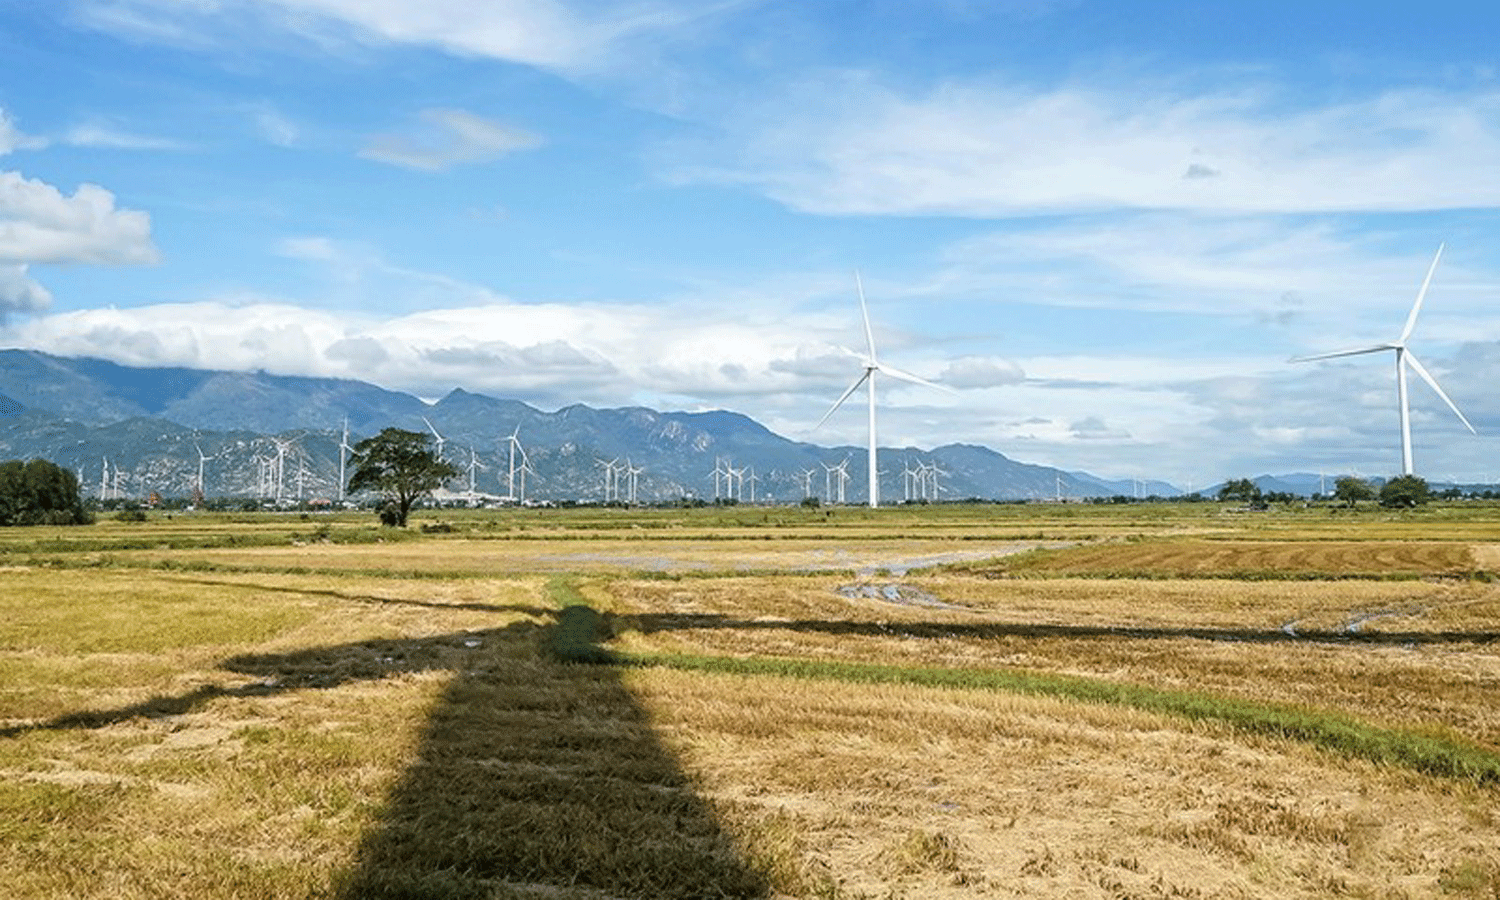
(1429, 752)
(581, 630)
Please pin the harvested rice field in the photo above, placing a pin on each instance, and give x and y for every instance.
(1049, 702)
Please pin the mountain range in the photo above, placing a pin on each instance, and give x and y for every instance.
(130, 432)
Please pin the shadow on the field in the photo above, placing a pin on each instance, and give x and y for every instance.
(648, 623)
(329, 593)
(532, 777)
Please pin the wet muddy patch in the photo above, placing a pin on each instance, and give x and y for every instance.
(893, 592)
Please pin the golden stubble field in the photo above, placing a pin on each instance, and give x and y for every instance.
(207, 709)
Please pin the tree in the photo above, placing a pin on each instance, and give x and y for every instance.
(1351, 490)
(1242, 490)
(398, 464)
(39, 493)
(1405, 491)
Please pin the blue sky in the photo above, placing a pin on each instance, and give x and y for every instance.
(1108, 225)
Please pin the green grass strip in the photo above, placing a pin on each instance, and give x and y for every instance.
(1432, 754)
(580, 631)
(1440, 755)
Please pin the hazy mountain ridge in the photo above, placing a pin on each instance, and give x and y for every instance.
(150, 423)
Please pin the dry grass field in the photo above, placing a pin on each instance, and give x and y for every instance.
(953, 702)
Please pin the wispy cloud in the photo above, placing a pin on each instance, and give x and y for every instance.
(847, 144)
(274, 126)
(451, 137)
(570, 37)
(99, 134)
(12, 138)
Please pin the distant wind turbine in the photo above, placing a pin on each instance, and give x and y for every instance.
(1404, 359)
(439, 438)
(515, 447)
(202, 458)
(871, 366)
(344, 451)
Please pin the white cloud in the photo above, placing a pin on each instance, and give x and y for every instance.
(844, 144)
(275, 127)
(12, 138)
(981, 372)
(19, 293)
(452, 137)
(98, 134)
(40, 224)
(570, 37)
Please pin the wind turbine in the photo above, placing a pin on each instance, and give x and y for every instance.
(1404, 359)
(515, 445)
(440, 441)
(842, 471)
(806, 476)
(633, 472)
(344, 450)
(473, 464)
(202, 458)
(871, 366)
(282, 446)
(611, 479)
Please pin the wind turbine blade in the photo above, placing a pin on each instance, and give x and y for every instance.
(1411, 320)
(865, 311)
(840, 402)
(1432, 382)
(1375, 349)
(914, 379)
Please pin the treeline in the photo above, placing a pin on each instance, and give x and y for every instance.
(40, 493)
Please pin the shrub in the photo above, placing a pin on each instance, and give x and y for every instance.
(39, 493)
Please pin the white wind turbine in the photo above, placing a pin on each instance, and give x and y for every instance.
(633, 472)
(439, 438)
(473, 465)
(1404, 359)
(872, 365)
(842, 471)
(344, 451)
(515, 447)
(611, 479)
(202, 458)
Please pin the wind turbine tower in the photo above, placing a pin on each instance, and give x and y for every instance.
(828, 481)
(633, 472)
(344, 451)
(842, 471)
(438, 437)
(1405, 359)
(202, 458)
(515, 448)
(871, 366)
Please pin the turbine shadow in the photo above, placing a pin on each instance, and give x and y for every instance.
(649, 623)
(532, 777)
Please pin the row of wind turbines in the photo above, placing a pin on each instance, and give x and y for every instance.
(1404, 358)
(920, 482)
